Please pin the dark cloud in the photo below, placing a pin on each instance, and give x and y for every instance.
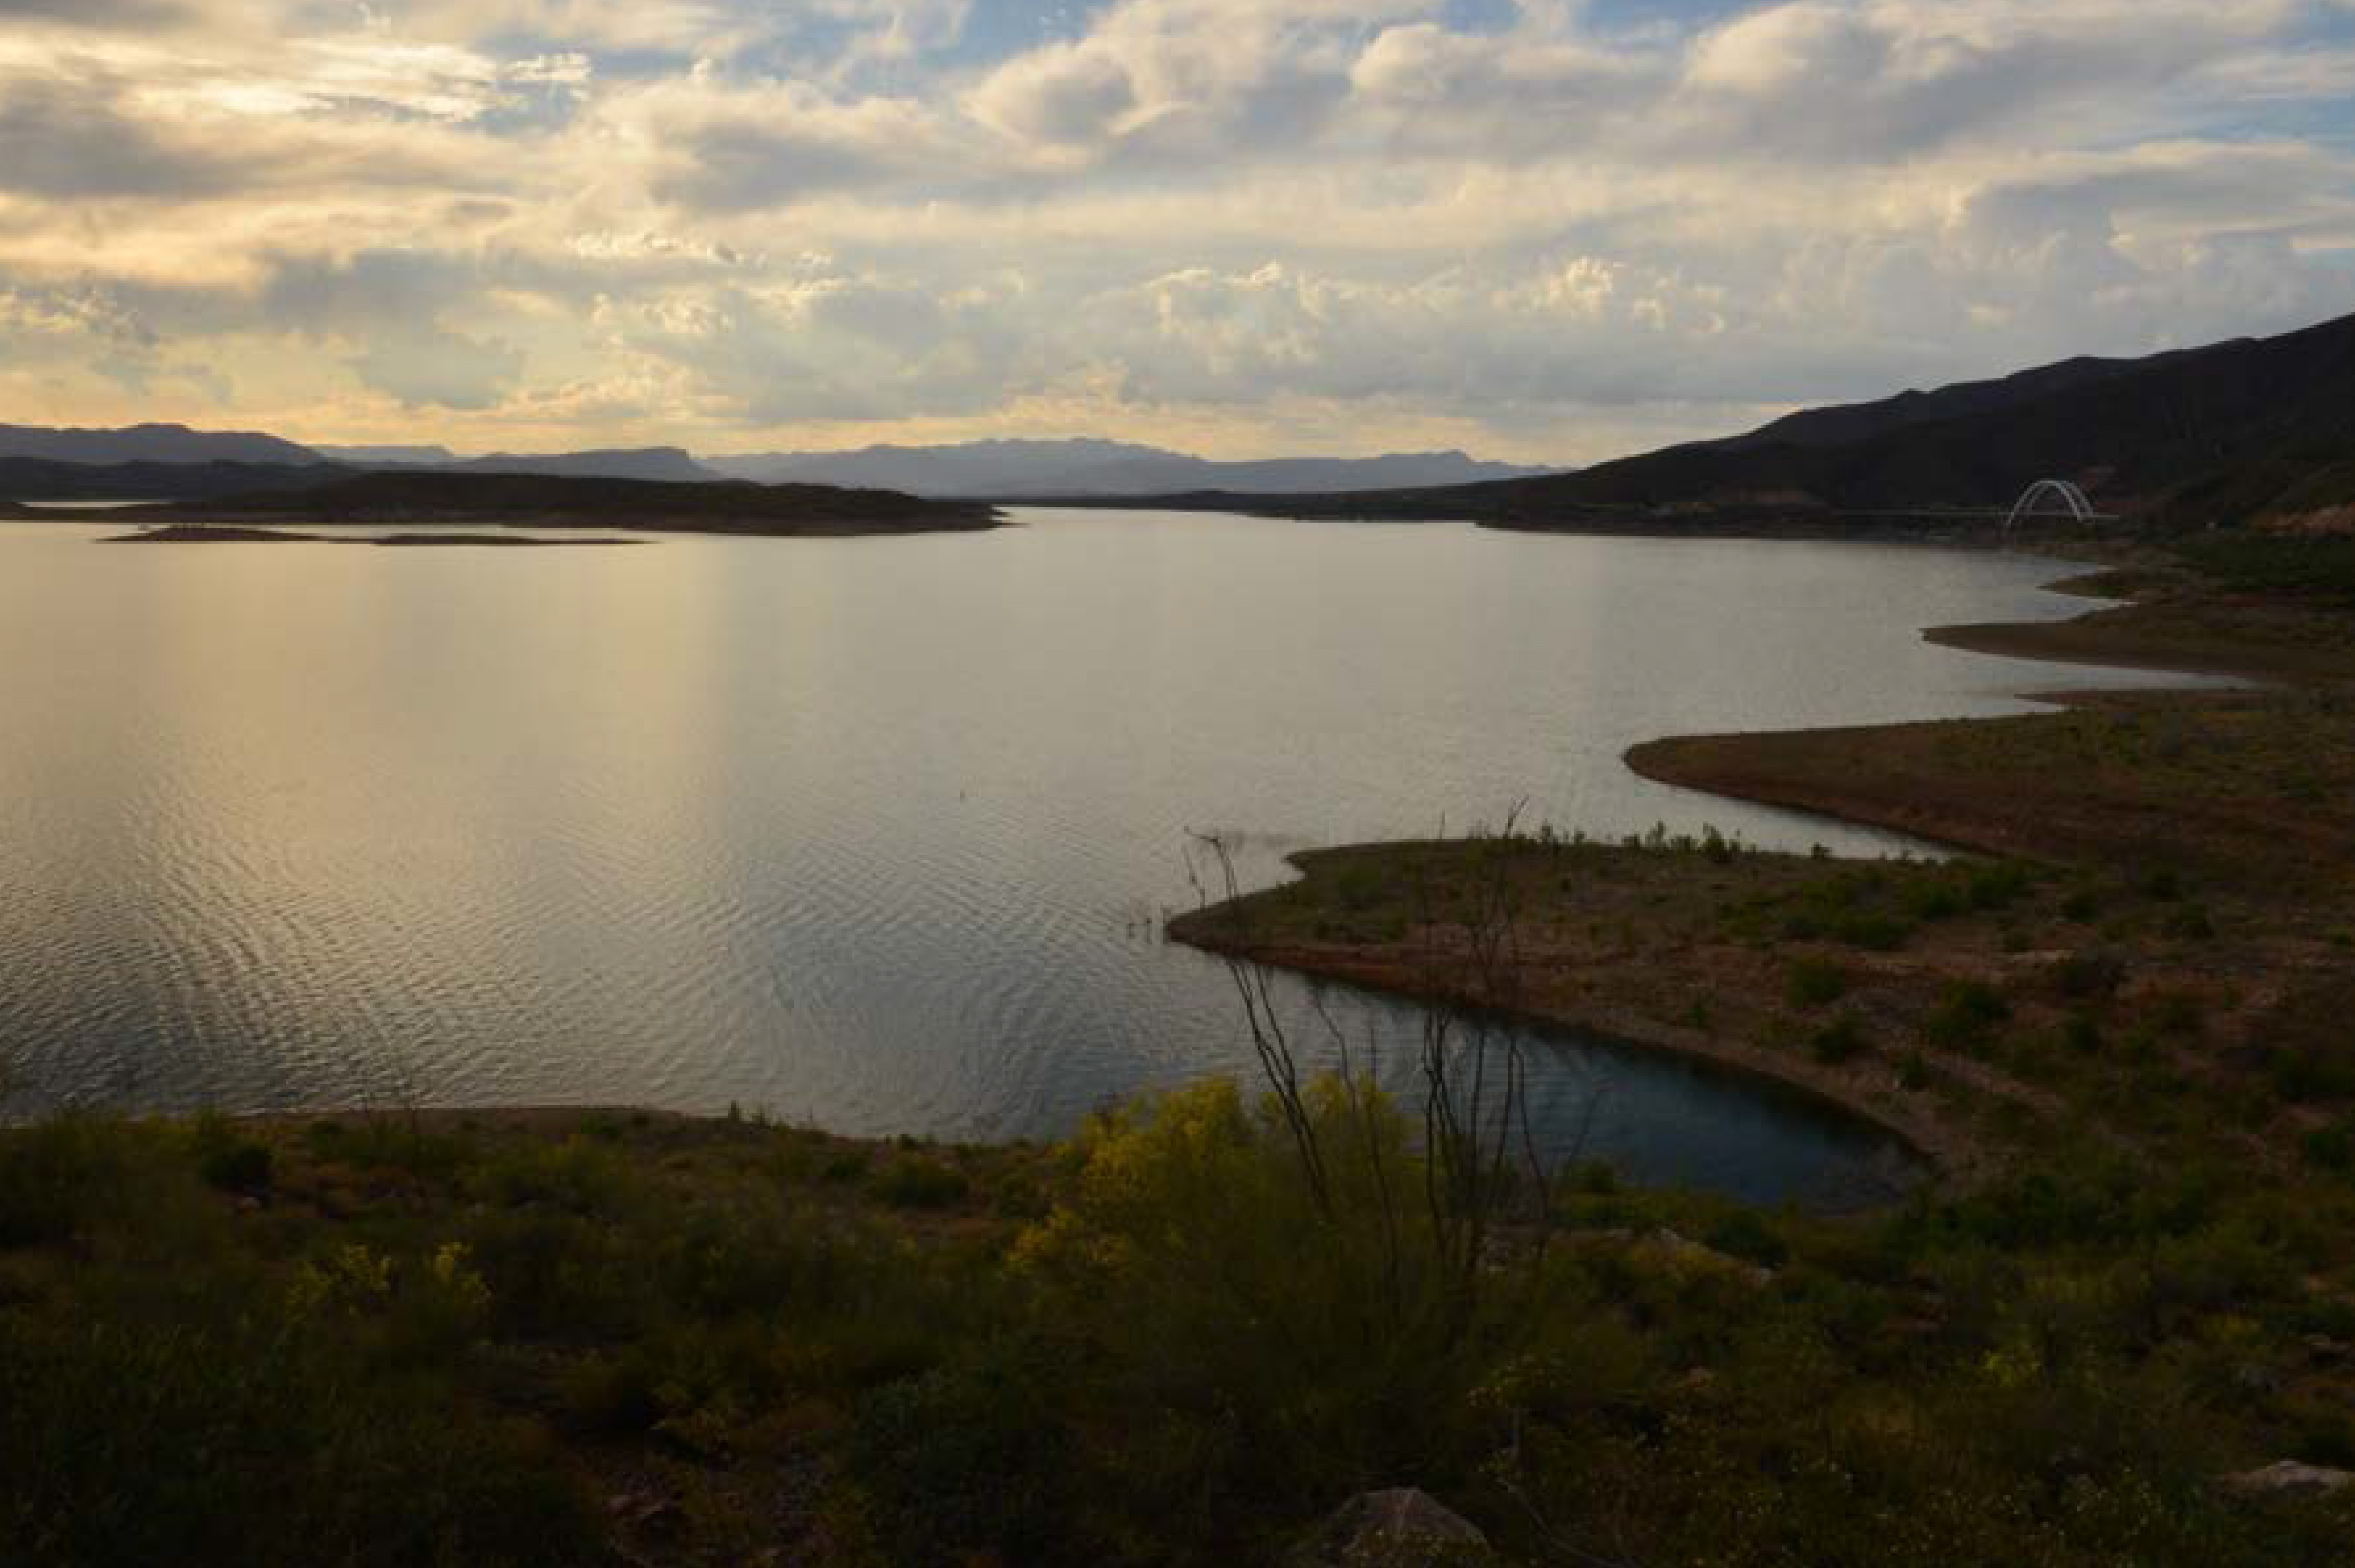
(100, 13)
(431, 366)
(65, 140)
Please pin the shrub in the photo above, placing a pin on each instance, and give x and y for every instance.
(254, 1441)
(1966, 1014)
(968, 1460)
(62, 1174)
(2330, 1148)
(1928, 902)
(1871, 930)
(229, 1160)
(2312, 1070)
(1999, 886)
(1318, 1347)
(1815, 982)
(2090, 975)
(1362, 888)
(1843, 1040)
(915, 1181)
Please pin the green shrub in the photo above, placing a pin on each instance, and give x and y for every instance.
(915, 1181)
(1929, 901)
(966, 1461)
(1871, 931)
(230, 1160)
(60, 1175)
(1999, 886)
(1308, 1335)
(1966, 1014)
(1843, 1040)
(2330, 1148)
(2313, 1070)
(249, 1441)
(1815, 982)
(1362, 887)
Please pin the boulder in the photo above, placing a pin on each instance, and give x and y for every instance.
(2288, 1476)
(1401, 1527)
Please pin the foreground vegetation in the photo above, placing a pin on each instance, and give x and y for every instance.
(1190, 1332)
(571, 1337)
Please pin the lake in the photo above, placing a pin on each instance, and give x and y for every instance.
(875, 834)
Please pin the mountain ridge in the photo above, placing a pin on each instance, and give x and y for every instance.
(1091, 466)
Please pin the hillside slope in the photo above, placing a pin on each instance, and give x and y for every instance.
(2249, 431)
(2133, 433)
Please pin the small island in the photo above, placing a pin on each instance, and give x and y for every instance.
(444, 500)
(201, 533)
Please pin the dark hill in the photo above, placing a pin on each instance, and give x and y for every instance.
(43, 479)
(149, 443)
(2236, 431)
(536, 500)
(2133, 433)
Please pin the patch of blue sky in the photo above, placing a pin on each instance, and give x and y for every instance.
(996, 30)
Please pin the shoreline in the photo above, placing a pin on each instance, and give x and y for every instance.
(1753, 767)
(1943, 1149)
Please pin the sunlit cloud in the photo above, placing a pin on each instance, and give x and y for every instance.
(1234, 224)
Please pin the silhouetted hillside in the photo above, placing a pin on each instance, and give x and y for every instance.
(149, 443)
(1839, 423)
(554, 501)
(2134, 434)
(42, 479)
(2241, 430)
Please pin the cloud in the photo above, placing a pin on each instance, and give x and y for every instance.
(438, 369)
(63, 142)
(1355, 222)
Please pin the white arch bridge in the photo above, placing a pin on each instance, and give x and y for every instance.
(2046, 497)
(2061, 492)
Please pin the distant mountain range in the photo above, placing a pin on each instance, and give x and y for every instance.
(1084, 468)
(2244, 430)
(669, 465)
(981, 469)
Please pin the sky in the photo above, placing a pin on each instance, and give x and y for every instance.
(1546, 230)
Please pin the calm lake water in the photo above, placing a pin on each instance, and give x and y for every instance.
(876, 833)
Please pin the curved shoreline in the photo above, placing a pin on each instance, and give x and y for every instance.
(1943, 1149)
(1726, 765)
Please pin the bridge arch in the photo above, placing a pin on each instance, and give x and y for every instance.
(2062, 490)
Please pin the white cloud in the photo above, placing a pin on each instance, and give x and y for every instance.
(1350, 222)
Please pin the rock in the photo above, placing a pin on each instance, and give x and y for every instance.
(2288, 1476)
(1682, 1255)
(1400, 1528)
(648, 1513)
